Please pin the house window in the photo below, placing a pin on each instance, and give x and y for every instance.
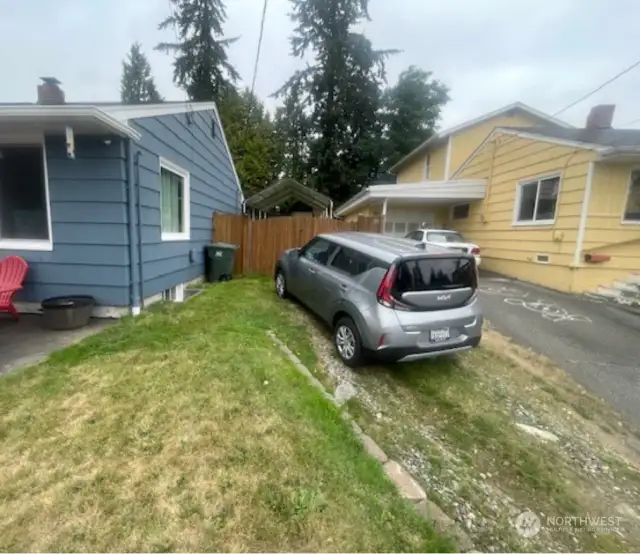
(632, 205)
(24, 205)
(426, 167)
(174, 201)
(461, 211)
(536, 200)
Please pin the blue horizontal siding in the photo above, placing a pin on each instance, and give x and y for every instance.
(212, 188)
(89, 224)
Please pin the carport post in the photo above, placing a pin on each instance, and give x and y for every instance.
(383, 222)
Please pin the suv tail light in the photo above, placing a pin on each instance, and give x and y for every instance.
(384, 295)
(475, 251)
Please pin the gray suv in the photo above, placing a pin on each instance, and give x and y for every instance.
(392, 299)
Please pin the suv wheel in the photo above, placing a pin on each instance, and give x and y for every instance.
(347, 341)
(281, 285)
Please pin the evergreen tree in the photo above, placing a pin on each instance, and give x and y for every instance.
(344, 89)
(411, 111)
(137, 85)
(252, 140)
(292, 135)
(201, 65)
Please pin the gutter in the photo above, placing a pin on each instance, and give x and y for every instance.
(66, 112)
(134, 278)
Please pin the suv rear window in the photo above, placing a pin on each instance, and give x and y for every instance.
(426, 274)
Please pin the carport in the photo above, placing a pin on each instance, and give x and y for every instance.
(286, 192)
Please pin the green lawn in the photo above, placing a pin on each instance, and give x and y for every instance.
(187, 429)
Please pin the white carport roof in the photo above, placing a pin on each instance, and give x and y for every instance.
(439, 192)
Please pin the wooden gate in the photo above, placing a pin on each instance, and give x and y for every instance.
(261, 241)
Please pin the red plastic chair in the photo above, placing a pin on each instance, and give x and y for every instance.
(13, 270)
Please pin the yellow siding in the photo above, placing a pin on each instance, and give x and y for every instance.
(510, 249)
(365, 211)
(462, 146)
(418, 214)
(412, 172)
(464, 143)
(605, 233)
(437, 162)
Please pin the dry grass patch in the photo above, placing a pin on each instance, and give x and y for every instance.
(186, 429)
(452, 422)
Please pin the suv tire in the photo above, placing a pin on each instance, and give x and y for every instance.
(281, 284)
(346, 339)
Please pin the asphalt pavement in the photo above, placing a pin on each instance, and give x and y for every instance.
(596, 342)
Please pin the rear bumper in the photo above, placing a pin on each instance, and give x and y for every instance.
(411, 354)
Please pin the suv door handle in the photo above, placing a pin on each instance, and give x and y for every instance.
(311, 270)
(343, 286)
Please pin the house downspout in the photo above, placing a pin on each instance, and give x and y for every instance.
(134, 296)
(139, 214)
(583, 215)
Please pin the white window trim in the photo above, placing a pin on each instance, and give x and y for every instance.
(624, 221)
(460, 218)
(186, 201)
(516, 204)
(33, 245)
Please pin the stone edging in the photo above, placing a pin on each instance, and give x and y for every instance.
(406, 484)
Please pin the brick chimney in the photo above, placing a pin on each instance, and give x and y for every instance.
(601, 117)
(49, 92)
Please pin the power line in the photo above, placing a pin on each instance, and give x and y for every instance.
(257, 60)
(599, 88)
(591, 93)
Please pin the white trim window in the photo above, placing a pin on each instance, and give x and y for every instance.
(25, 210)
(460, 211)
(536, 201)
(631, 212)
(174, 202)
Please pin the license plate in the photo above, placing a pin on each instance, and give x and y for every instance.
(438, 335)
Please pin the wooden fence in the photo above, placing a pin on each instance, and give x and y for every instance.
(261, 241)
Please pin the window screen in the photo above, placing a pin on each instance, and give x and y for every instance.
(23, 203)
(538, 199)
(461, 211)
(632, 207)
(172, 201)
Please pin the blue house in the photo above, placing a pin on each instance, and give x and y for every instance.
(110, 200)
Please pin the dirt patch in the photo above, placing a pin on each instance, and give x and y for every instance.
(462, 426)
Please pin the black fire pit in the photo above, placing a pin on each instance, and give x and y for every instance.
(67, 312)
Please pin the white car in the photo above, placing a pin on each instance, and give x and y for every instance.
(450, 239)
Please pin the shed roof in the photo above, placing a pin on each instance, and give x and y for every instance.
(284, 191)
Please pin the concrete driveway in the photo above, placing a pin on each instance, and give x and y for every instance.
(595, 342)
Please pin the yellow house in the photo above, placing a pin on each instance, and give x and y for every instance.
(546, 202)
(424, 193)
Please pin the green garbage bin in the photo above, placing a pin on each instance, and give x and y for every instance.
(219, 261)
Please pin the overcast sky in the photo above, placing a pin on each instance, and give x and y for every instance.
(545, 53)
